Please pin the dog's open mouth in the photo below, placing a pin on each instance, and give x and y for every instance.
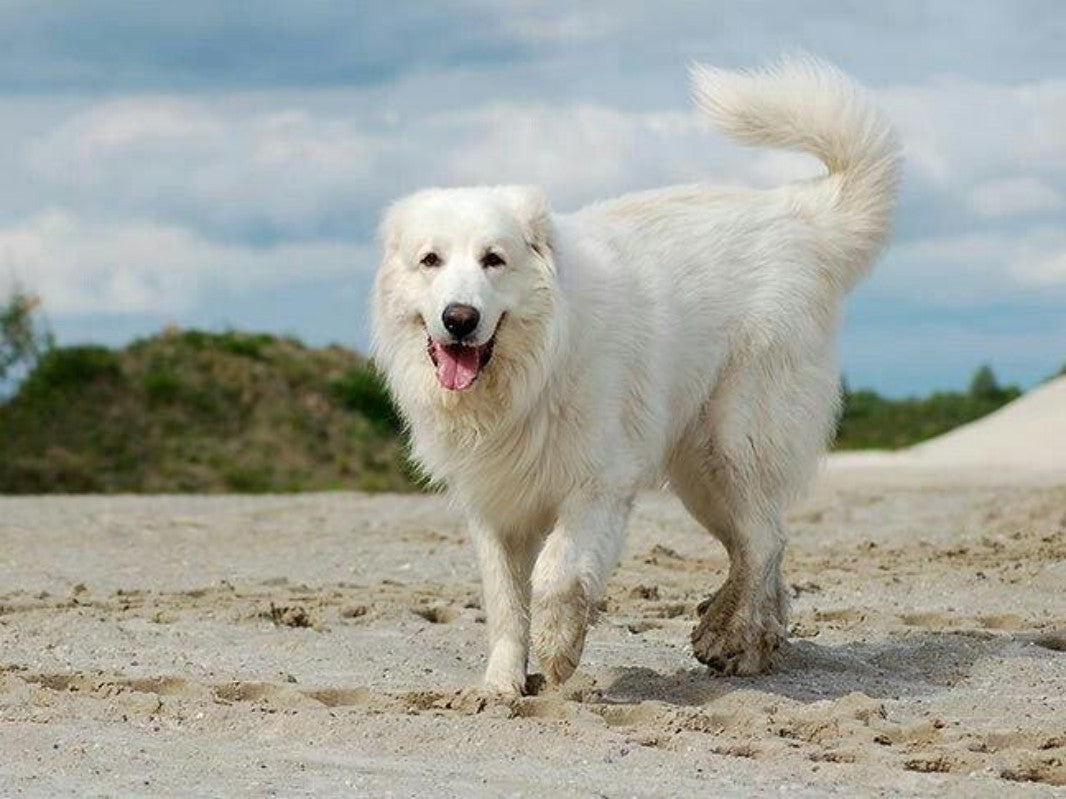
(459, 365)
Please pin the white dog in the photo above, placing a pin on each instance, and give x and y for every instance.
(551, 366)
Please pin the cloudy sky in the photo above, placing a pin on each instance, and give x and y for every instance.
(188, 163)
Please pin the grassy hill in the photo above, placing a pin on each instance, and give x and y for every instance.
(187, 411)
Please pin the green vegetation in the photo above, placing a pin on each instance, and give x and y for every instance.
(190, 411)
(23, 339)
(364, 391)
(870, 421)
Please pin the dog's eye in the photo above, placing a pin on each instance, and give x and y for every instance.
(430, 259)
(492, 259)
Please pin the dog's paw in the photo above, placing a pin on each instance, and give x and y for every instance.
(503, 689)
(510, 685)
(736, 653)
(734, 637)
(561, 664)
(560, 623)
(505, 675)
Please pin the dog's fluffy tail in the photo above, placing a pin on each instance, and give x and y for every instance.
(803, 103)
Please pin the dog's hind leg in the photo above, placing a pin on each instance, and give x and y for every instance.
(743, 623)
(752, 451)
(570, 575)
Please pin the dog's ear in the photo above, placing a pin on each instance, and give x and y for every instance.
(530, 207)
(390, 231)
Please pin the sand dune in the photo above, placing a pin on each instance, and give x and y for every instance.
(1023, 440)
(1029, 433)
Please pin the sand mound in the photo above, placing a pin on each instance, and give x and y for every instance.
(1028, 436)
(1029, 433)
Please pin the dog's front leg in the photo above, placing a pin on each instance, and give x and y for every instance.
(570, 575)
(506, 563)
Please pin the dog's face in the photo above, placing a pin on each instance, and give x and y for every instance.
(464, 272)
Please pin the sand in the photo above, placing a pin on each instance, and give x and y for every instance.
(320, 644)
(1023, 442)
(1028, 434)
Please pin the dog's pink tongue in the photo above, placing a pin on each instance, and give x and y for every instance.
(457, 366)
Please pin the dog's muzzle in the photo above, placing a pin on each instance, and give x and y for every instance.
(458, 365)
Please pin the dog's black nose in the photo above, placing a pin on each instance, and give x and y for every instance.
(460, 320)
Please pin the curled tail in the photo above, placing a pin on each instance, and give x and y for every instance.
(802, 103)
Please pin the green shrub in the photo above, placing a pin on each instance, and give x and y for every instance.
(161, 386)
(363, 390)
(249, 479)
(195, 339)
(23, 339)
(984, 386)
(43, 473)
(65, 368)
(244, 344)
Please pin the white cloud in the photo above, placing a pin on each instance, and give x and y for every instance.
(1045, 268)
(988, 159)
(1014, 197)
(577, 153)
(975, 268)
(227, 168)
(951, 271)
(295, 167)
(533, 22)
(122, 124)
(81, 267)
(583, 153)
(1040, 259)
(956, 132)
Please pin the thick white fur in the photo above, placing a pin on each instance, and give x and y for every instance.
(680, 335)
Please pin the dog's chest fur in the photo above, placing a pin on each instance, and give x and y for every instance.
(513, 474)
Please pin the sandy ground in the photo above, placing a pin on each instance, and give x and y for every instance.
(319, 644)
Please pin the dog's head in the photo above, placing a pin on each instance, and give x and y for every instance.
(464, 289)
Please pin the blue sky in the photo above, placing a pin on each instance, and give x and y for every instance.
(191, 164)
